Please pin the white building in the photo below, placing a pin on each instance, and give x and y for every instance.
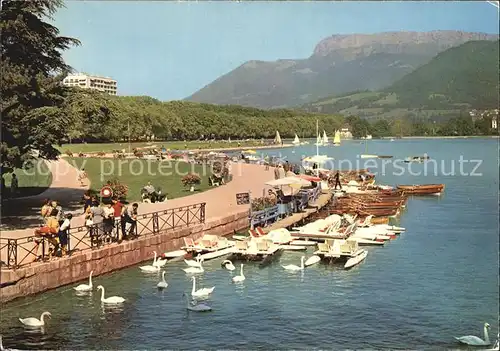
(86, 81)
(345, 133)
(494, 123)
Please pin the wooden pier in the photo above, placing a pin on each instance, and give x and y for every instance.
(290, 221)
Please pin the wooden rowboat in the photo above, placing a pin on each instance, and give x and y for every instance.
(422, 189)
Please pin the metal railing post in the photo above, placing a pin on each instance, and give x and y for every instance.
(11, 252)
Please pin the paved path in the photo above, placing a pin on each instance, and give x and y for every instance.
(20, 213)
(221, 201)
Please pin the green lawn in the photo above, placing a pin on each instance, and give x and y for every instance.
(167, 174)
(33, 180)
(179, 145)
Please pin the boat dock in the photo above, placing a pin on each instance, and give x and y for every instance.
(290, 221)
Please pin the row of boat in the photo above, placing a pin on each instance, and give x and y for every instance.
(336, 232)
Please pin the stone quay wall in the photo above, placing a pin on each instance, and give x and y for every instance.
(40, 277)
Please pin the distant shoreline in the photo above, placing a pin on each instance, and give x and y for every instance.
(449, 137)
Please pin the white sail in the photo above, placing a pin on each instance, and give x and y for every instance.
(277, 139)
(325, 138)
(319, 141)
(296, 141)
(336, 139)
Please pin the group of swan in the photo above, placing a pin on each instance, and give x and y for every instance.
(155, 266)
(89, 287)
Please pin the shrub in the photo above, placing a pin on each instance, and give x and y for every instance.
(101, 153)
(191, 179)
(81, 154)
(120, 190)
(69, 153)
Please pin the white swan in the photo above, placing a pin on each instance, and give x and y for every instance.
(241, 277)
(33, 322)
(163, 284)
(159, 262)
(85, 287)
(200, 292)
(228, 265)
(195, 269)
(474, 340)
(196, 263)
(111, 299)
(292, 267)
(151, 268)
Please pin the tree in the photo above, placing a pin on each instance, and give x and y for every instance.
(31, 89)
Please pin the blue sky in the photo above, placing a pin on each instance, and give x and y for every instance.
(169, 50)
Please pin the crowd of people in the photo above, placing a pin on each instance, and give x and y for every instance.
(111, 214)
(101, 217)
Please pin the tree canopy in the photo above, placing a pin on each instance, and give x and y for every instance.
(32, 69)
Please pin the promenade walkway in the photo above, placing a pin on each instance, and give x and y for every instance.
(220, 201)
(21, 213)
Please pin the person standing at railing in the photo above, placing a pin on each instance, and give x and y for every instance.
(64, 233)
(96, 221)
(108, 218)
(128, 218)
(117, 213)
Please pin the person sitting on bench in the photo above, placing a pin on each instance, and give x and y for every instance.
(49, 231)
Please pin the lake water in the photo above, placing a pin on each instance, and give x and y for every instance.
(439, 279)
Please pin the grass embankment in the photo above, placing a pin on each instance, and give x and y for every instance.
(136, 173)
(32, 180)
(172, 145)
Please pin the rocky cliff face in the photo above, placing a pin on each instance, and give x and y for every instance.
(397, 42)
(339, 64)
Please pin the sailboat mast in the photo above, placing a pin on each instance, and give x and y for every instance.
(317, 133)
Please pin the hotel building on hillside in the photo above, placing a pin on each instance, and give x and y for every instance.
(86, 81)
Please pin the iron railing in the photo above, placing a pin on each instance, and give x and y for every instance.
(17, 252)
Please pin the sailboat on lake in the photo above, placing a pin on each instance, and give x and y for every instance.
(296, 140)
(336, 138)
(277, 138)
(325, 138)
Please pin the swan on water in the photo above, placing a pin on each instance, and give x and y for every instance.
(196, 263)
(198, 307)
(241, 277)
(85, 287)
(163, 284)
(3, 348)
(200, 292)
(195, 269)
(292, 267)
(34, 322)
(474, 340)
(151, 268)
(228, 265)
(159, 262)
(111, 299)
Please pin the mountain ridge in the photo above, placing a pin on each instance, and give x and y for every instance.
(339, 63)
